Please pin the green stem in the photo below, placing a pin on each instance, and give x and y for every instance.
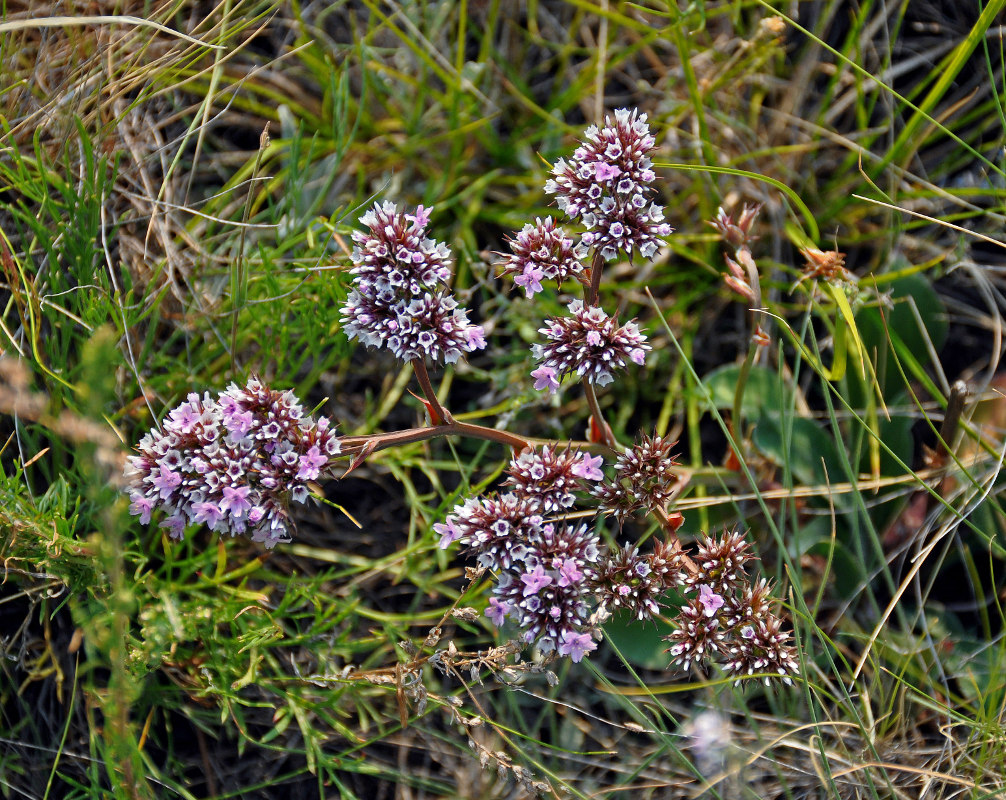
(596, 267)
(607, 436)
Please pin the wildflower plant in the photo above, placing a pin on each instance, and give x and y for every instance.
(239, 461)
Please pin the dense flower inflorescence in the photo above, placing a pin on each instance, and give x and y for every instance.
(626, 579)
(549, 477)
(587, 343)
(730, 621)
(606, 185)
(644, 478)
(235, 463)
(548, 595)
(543, 252)
(398, 298)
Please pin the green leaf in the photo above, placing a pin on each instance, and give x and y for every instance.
(808, 450)
(641, 643)
(765, 392)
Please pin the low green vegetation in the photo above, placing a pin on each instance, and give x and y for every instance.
(179, 189)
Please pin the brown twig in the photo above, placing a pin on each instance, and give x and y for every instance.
(382, 441)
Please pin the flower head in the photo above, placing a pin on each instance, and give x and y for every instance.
(234, 463)
(543, 609)
(546, 478)
(541, 251)
(397, 299)
(627, 579)
(644, 478)
(497, 530)
(606, 186)
(589, 344)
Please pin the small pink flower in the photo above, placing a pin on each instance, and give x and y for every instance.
(535, 580)
(545, 379)
(141, 505)
(476, 337)
(421, 218)
(310, 464)
(588, 467)
(576, 645)
(449, 533)
(711, 602)
(603, 172)
(207, 512)
(530, 280)
(235, 500)
(497, 611)
(569, 573)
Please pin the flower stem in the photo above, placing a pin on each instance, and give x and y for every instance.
(670, 529)
(382, 441)
(596, 266)
(736, 420)
(438, 414)
(607, 436)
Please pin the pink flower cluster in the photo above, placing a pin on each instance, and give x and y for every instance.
(397, 299)
(544, 569)
(606, 185)
(587, 343)
(234, 463)
(543, 252)
(731, 621)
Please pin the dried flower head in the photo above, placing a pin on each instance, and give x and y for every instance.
(644, 478)
(395, 301)
(828, 265)
(234, 462)
(542, 251)
(606, 186)
(587, 343)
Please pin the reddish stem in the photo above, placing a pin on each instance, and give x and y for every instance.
(438, 414)
(396, 438)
